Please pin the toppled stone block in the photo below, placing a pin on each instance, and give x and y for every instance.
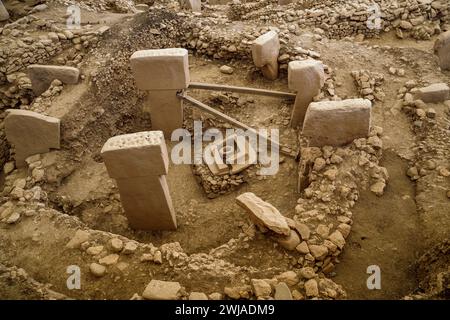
(31, 133)
(306, 77)
(442, 50)
(161, 69)
(161, 290)
(136, 155)
(335, 123)
(265, 51)
(41, 76)
(4, 15)
(434, 93)
(263, 213)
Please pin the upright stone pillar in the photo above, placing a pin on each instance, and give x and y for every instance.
(31, 133)
(163, 73)
(265, 51)
(306, 77)
(4, 15)
(139, 163)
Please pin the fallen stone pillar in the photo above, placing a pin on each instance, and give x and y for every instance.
(265, 51)
(442, 50)
(335, 123)
(31, 133)
(41, 76)
(4, 15)
(139, 163)
(434, 93)
(306, 78)
(162, 72)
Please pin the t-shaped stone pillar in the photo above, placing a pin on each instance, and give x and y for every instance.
(4, 15)
(31, 133)
(265, 50)
(307, 78)
(442, 50)
(139, 163)
(162, 72)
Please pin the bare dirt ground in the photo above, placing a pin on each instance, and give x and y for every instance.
(215, 246)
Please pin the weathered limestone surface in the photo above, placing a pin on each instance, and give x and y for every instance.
(263, 213)
(139, 163)
(133, 155)
(161, 290)
(307, 78)
(442, 50)
(161, 69)
(335, 123)
(434, 93)
(265, 51)
(31, 133)
(166, 110)
(4, 15)
(41, 76)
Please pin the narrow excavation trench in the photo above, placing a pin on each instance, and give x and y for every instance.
(387, 233)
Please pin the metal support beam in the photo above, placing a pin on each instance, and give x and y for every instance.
(222, 87)
(203, 107)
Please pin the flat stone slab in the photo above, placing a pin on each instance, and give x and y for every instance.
(265, 49)
(41, 76)
(442, 50)
(31, 133)
(138, 154)
(335, 123)
(161, 69)
(263, 213)
(161, 290)
(434, 93)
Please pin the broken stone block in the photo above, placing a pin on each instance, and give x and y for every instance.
(334, 123)
(442, 50)
(289, 242)
(161, 290)
(41, 76)
(434, 93)
(139, 162)
(4, 15)
(134, 155)
(31, 133)
(265, 51)
(282, 292)
(161, 69)
(305, 77)
(263, 214)
(261, 288)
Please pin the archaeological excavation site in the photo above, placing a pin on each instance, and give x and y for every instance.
(225, 150)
